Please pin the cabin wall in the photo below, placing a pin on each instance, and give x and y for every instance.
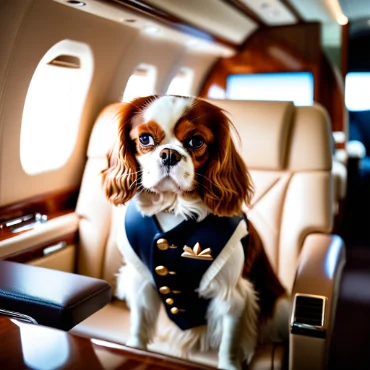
(291, 48)
(28, 29)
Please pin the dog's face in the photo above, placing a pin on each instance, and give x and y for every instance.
(170, 148)
(177, 145)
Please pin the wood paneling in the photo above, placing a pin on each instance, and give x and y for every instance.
(344, 50)
(37, 250)
(293, 48)
(273, 49)
(52, 205)
(331, 95)
(7, 233)
(44, 203)
(20, 350)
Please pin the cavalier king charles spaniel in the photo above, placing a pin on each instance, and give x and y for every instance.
(187, 245)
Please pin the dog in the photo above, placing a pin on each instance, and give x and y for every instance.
(188, 246)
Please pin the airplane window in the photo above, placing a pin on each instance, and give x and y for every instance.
(216, 92)
(286, 86)
(141, 82)
(181, 83)
(357, 91)
(53, 106)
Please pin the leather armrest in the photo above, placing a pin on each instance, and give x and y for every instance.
(319, 273)
(52, 298)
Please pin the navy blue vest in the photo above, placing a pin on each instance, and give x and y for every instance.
(177, 278)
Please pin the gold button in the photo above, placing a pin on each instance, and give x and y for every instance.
(169, 301)
(162, 244)
(164, 289)
(176, 291)
(174, 310)
(161, 270)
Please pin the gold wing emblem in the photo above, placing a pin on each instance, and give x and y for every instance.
(197, 253)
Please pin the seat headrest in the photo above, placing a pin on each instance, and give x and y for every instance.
(278, 135)
(274, 135)
(104, 133)
(311, 140)
(263, 128)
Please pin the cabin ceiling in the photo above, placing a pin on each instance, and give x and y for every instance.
(230, 21)
(226, 23)
(222, 20)
(273, 12)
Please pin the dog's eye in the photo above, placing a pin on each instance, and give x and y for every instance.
(146, 140)
(195, 142)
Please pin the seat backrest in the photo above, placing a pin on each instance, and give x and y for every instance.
(288, 152)
(98, 254)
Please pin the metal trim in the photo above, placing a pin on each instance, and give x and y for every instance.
(18, 316)
(307, 329)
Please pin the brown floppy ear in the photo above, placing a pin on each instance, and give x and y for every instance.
(226, 183)
(120, 179)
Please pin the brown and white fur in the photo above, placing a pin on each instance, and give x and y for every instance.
(177, 157)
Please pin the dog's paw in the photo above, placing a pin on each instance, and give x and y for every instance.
(136, 343)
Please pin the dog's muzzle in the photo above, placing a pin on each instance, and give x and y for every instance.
(170, 157)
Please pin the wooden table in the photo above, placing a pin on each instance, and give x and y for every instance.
(26, 346)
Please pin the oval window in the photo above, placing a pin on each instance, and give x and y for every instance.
(54, 105)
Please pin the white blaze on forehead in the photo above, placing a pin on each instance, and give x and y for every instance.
(167, 110)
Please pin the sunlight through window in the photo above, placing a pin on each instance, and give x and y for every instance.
(140, 83)
(287, 86)
(181, 83)
(357, 91)
(216, 92)
(53, 106)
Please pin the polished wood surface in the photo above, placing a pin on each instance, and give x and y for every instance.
(37, 251)
(293, 48)
(331, 96)
(25, 346)
(344, 50)
(6, 233)
(53, 204)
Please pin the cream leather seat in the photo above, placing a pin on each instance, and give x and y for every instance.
(288, 152)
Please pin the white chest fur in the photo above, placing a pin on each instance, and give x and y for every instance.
(168, 221)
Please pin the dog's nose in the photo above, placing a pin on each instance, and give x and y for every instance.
(170, 157)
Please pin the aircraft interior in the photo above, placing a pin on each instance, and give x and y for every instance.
(293, 77)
